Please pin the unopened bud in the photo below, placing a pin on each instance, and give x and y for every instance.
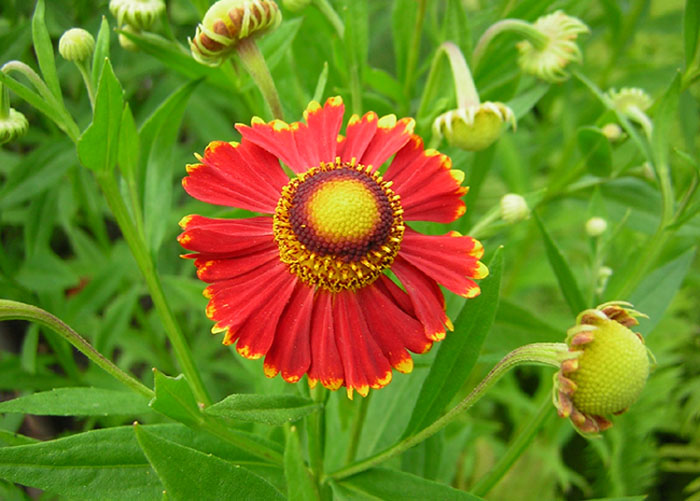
(139, 14)
(514, 208)
(14, 125)
(76, 45)
(475, 127)
(125, 42)
(612, 132)
(229, 21)
(596, 226)
(629, 99)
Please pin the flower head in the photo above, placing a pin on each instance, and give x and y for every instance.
(139, 14)
(474, 127)
(306, 285)
(557, 50)
(608, 368)
(76, 45)
(229, 21)
(629, 98)
(12, 126)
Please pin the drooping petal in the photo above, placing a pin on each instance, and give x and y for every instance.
(430, 189)
(364, 363)
(426, 297)
(300, 146)
(326, 365)
(236, 175)
(290, 353)
(212, 268)
(451, 260)
(225, 237)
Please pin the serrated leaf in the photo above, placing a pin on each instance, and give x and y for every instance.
(300, 486)
(565, 277)
(268, 409)
(78, 402)
(101, 464)
(44, 51)
(98, 145)
(188, 473)
(393, 485)
(175, 399)
(595, 148)
(459, 351)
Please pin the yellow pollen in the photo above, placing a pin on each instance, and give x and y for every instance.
(343, 210)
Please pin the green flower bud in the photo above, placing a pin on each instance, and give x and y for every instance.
(139, 14)
(514, 208)
(229, 21)
(12, 126)
(608, 369)
(475, 127)
(76, 45)
(628, 98)
(596, 226)
(295, 5)
(549, 60)
(125, 42)
(612, 132)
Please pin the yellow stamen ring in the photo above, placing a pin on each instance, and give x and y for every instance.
(338, 226)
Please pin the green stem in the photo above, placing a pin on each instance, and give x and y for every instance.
(255, 64)
(143, 258)
(538, 353)
(316, 428)
(414, 48)
(332, 16)
(4, 102)
(13, 310)
(523, 28)
(86, 73)
(515, 449)
(356, 430)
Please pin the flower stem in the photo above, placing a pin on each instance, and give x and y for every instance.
(255, 64)
(332, 16)
(356, 430)
(315, 431)
(13, 310)
(4, 102)
(537, 353)
(523, 28)
(136, 244)
(86, 73)
(414, 48)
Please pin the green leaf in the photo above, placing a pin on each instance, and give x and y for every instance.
(456, 26)
(78, 402)
(187, 473)
(98, 145)
(691, 30)
(300, 486)
(268, 409)
(403, 18)
(8, 438)
(100, 464)
(101, 50)
(565, 277)
(525, 101)
(664, 118)
(44, 51)
(128, 151)
(34, 99)
(653, 295)
(595, 148)
(321, 83)
(175, 399)
(459, 351)
(392, 485)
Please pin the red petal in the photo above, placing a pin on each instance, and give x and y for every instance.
(300, 146)
(326, 364)
(358, 134)
(220, 237)
(426, 297)
(389, 137)
(236, 175)
(213, 269)
(364, 363)
(451, 260)
(290, 354)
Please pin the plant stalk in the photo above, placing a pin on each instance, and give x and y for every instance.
(255, 64)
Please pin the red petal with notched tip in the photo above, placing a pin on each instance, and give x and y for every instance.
(238, 175)
(451, 260)
(358, 134)
(389, 138)
(326, 365)
(426, 297)
(300, 146)
(220, 237)
(214, 269)
(364, 363)
(290, 353)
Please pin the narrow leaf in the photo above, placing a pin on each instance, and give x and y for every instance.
(300, 487)
(691, 30)
(128, 150)
(175, 399)
(44, 50)
(596, 149)
(459, 351)
(187, 473)
(32, 98)
(101, 50)
(268, 409)
(565, 277)
(664, 118)
(78, 402)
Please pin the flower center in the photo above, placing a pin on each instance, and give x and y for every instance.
(338, 226)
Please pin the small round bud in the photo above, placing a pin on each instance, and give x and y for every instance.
(596, 226)
(560, 49)
(475, 127)
(612, 132)
(295, 5)
(514, 208)
(608, 369)
(229, 21)
(628, 98)
(76, 45)
(139, 14)
(125, 42)
(14, 125)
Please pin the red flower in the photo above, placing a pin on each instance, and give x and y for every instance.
(307, 288)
